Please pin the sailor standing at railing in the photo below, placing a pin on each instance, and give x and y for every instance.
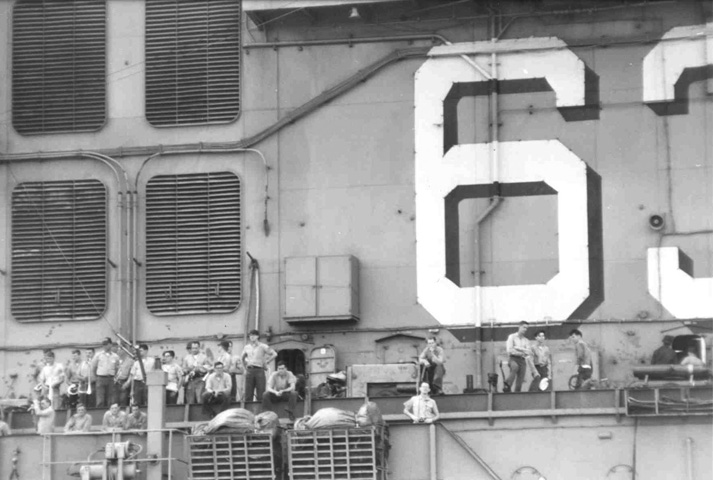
(122, 375)
(73, 379)
(256, 357)
(422, 408)
(540, 363)
(51, 377)
(195, 365)
(583, 361)
(174, 376)
(43, 413)
(140, 391)
(87, 386)
(518, 349)
(104, 367)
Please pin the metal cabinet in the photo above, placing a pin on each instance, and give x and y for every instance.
(321, 288)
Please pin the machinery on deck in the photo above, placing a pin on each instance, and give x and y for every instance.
(676, 374)
(118, 463)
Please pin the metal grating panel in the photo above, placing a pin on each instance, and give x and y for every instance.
(192, 61)
(233, 457)
(193, 243)
(59, 248)
(338, 454)
(58, 66)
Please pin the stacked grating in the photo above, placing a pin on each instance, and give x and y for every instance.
(233, 457)
(338, 454)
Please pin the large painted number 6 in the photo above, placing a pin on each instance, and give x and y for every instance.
(438, 173)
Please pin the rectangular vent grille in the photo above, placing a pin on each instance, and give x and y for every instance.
(58, 66)
(59, 248)
(192, 61)
(193, 243)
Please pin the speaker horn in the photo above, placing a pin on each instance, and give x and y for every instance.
(656, 222)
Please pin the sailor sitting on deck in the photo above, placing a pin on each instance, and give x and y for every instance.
(114, 419)
(80, 421)
(432, 362)
(136, 419)
(217, 390)
(281, 386)
(422, 408)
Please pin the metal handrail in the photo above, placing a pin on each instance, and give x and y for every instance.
(97, 433)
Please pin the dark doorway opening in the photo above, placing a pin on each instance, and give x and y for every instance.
(294, 359)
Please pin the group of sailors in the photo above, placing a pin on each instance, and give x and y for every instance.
(535, 355)
(522, 354)
(118, 375)
(113, 420)
(115, 377)
(97, 380)
(666, 355)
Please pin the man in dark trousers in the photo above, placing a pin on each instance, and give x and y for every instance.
(217, 390)
(104, 365)
(541, 364)
(281, 386)
(664, 355)
(432, 361)
(518, 349)
(583, 362)
(256, 357)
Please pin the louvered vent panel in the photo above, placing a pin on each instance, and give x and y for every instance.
(192, 61)
(58, 66)
(59, 250)
(193, 243)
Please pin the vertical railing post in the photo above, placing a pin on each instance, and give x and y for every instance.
(432, 451)
(156, 411)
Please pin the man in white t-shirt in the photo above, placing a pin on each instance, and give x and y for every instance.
(174, 376)
(422, 408)
(51, 377)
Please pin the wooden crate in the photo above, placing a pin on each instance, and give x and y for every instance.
(250, 456)
(338, 454)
